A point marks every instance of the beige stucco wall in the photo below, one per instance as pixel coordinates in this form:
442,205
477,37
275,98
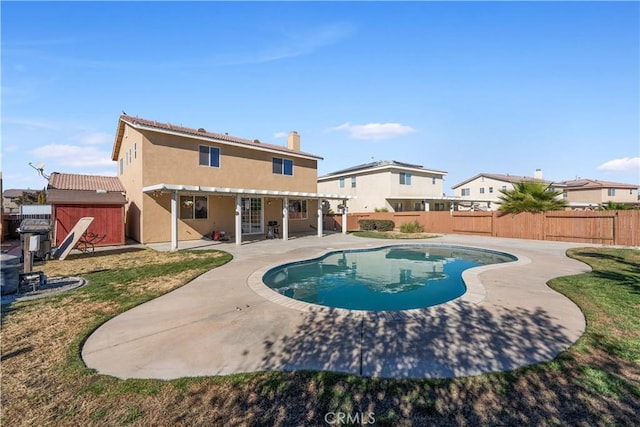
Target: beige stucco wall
491,188
221,217
131,179
600,195
174,160
374,188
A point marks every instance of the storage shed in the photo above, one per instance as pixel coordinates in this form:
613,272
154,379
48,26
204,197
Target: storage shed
74,196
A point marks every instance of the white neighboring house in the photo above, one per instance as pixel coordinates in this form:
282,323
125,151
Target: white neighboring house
482,192
389,185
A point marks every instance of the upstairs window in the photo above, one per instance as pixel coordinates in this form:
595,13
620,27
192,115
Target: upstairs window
466,191
282,166
342,182
611,192
121,166
209,156
405,178
353,182
481,190
490,189
433,179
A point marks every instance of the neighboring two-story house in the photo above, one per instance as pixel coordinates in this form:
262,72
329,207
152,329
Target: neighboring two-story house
590,193
183,183
389,185
482,191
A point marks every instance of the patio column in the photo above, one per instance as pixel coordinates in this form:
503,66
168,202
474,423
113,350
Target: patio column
174,221
344,217
238,224
426,205
285,219
320,218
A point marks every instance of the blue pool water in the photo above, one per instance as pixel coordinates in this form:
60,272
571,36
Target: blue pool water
386,279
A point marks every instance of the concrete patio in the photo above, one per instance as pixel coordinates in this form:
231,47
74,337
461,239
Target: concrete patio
226,321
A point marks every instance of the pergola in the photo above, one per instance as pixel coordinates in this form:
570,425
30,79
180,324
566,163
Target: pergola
176,189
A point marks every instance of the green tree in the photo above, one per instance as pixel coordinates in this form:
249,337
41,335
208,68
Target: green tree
530,196
42,197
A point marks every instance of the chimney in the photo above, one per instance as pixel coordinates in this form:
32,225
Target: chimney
293,141
538,174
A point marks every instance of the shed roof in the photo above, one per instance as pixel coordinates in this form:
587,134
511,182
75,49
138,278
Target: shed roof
68,181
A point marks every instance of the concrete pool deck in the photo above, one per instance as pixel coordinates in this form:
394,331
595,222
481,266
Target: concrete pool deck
226,321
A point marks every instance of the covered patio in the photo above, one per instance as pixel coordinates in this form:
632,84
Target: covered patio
176,190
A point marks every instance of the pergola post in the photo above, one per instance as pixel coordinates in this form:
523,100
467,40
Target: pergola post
174,220
238,223
344,216
320,222
285,218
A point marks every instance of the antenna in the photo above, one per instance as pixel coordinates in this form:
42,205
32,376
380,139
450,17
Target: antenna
40,168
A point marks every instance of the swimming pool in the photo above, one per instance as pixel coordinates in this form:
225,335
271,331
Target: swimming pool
389,278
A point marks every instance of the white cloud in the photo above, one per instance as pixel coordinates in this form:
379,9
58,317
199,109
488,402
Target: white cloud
375,130
279,134
292,44
624,164
73,155
33,123
95,138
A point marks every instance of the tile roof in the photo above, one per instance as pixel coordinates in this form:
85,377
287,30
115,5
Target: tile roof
586,184
137,122
12,193
380,164
68,181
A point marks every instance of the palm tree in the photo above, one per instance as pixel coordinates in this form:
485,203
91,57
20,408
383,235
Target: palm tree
530,196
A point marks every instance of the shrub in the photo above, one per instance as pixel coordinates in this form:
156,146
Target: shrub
412,227
381,210
376,224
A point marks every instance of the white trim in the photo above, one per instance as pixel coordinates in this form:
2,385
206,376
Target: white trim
242,191
219,141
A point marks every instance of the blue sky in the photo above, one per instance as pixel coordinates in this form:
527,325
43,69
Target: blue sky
505,87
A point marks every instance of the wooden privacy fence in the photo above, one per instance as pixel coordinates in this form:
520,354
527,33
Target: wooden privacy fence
602,227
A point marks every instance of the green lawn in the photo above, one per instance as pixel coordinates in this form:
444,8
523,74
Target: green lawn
44,382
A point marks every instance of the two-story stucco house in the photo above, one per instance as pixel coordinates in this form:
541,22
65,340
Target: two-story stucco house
590,193
389,185
183,183
482,191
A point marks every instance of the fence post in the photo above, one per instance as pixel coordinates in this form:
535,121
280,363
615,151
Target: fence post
494,232
614,224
